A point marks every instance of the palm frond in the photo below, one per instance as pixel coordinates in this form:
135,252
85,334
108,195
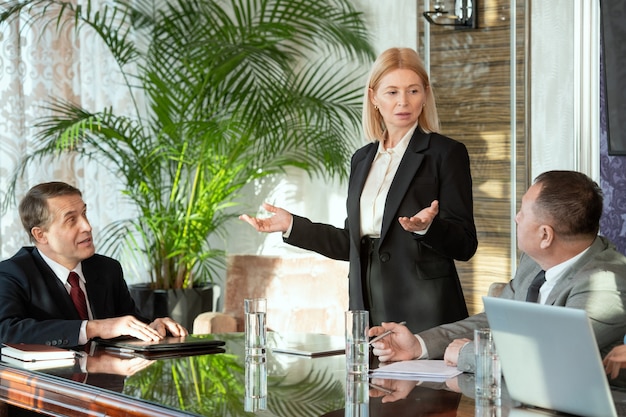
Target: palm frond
235,90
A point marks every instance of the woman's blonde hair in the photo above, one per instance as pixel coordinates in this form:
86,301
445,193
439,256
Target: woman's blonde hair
390,60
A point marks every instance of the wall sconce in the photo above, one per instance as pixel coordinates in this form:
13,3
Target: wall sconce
464,16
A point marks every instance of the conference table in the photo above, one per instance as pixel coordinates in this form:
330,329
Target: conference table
218,384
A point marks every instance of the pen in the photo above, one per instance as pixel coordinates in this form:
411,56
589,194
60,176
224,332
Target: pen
387,333
381,389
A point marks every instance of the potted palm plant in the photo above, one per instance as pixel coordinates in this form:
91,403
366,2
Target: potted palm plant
225,92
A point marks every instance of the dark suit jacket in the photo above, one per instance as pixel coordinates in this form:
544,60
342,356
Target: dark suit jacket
36,308
421,284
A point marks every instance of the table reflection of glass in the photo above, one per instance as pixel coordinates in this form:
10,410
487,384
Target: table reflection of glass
256,383
226,385
357,396
400,398
487,409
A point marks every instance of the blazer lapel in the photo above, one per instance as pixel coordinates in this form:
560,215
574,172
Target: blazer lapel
409,165
357,182
95,289
57,290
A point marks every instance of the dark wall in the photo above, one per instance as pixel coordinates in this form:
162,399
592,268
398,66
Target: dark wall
613,16
612,167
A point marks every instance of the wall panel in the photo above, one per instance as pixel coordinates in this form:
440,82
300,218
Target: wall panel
471,74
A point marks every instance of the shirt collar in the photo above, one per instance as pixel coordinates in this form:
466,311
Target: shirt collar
557,271
401,146
60,271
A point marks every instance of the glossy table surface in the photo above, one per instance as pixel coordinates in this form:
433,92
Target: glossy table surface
215,385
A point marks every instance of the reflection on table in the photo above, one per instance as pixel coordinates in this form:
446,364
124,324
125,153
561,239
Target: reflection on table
225,384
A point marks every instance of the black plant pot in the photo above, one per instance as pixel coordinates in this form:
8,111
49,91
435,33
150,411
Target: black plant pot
182,305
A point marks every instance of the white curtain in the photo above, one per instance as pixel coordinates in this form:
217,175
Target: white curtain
38,64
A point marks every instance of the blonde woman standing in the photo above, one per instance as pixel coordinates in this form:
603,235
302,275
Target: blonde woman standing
409,205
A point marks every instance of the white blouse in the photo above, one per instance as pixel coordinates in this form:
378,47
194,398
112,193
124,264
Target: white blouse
377,185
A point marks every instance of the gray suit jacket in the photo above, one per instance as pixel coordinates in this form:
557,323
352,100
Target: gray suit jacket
595,283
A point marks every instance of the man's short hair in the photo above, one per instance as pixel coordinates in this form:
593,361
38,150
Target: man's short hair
33,208
571,202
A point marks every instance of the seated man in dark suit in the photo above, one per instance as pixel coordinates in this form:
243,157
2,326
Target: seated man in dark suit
39,302
557,229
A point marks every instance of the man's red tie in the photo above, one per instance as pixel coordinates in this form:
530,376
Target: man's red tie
78,296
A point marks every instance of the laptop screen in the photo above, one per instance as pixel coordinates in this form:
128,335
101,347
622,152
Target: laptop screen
549,357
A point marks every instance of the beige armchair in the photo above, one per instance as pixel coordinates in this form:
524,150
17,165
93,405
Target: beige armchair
304,294
495,289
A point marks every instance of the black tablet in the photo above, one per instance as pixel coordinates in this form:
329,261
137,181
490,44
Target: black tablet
168,344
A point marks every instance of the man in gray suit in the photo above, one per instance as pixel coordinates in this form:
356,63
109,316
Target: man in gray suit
557,231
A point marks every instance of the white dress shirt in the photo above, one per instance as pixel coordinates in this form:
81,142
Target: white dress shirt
62,274
378,183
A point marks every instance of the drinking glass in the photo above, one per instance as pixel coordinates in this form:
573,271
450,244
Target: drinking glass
488,375
255,310
357,342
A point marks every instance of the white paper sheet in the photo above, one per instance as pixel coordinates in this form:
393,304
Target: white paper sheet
431,370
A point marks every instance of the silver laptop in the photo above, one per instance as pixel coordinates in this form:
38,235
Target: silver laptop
550,358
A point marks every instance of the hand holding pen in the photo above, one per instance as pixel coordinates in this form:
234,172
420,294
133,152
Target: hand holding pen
387,333
394,342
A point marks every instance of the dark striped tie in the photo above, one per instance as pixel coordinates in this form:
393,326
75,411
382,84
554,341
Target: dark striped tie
78,296
533,291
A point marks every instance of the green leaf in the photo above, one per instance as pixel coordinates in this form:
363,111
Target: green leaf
225,93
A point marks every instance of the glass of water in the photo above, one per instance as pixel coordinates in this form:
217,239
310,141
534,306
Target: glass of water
357,342
488,374
255,310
